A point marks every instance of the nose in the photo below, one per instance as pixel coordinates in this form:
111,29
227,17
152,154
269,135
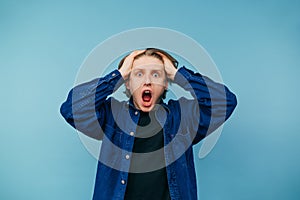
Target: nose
147,80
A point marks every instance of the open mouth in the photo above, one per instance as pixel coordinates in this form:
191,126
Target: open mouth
147,96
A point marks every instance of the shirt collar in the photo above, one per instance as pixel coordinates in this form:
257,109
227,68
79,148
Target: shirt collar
130,104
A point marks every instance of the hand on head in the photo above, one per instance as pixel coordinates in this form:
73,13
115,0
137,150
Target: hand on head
169,66
126,67
127,64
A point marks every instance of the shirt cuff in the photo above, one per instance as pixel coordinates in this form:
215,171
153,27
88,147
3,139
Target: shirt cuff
183,76
115,79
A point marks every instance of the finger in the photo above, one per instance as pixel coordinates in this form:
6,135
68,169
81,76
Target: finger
165,58
137,52
162,55
133,54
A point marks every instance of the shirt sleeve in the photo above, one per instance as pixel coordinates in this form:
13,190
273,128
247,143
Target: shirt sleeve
212,105
87,104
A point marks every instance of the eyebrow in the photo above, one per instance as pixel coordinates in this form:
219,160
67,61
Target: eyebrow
153,67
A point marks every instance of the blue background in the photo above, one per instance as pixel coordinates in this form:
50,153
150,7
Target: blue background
255,45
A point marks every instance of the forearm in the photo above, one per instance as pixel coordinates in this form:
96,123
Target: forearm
85,103
214,100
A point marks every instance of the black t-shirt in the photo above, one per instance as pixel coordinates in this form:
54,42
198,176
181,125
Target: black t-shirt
154,184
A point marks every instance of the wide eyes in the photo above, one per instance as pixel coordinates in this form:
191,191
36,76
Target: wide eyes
154,74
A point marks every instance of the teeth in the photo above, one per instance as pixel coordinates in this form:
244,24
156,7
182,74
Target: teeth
147,91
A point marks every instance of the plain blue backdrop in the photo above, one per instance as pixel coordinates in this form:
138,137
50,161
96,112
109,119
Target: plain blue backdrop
255,45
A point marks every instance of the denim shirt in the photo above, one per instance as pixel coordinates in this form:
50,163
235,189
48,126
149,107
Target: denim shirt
185,122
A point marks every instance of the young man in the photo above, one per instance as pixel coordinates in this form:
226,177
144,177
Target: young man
146,150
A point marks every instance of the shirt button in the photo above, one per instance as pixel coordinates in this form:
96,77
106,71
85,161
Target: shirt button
136,112
127,157
123,182
113,74
132,133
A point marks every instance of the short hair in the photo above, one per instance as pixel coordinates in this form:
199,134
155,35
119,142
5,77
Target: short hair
154,53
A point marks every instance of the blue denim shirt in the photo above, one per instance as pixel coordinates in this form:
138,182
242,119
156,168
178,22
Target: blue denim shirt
185,122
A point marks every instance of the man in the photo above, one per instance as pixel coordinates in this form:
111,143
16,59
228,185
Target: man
146,150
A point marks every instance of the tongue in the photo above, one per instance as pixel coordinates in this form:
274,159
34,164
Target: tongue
146,97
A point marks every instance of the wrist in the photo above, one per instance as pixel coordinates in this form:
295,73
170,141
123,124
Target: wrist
123,74
172,75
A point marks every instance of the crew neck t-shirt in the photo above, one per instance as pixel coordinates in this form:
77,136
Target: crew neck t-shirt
153,184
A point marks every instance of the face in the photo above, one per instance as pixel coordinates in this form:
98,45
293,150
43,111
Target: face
147,82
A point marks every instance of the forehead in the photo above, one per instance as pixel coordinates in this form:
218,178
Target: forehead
147,61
